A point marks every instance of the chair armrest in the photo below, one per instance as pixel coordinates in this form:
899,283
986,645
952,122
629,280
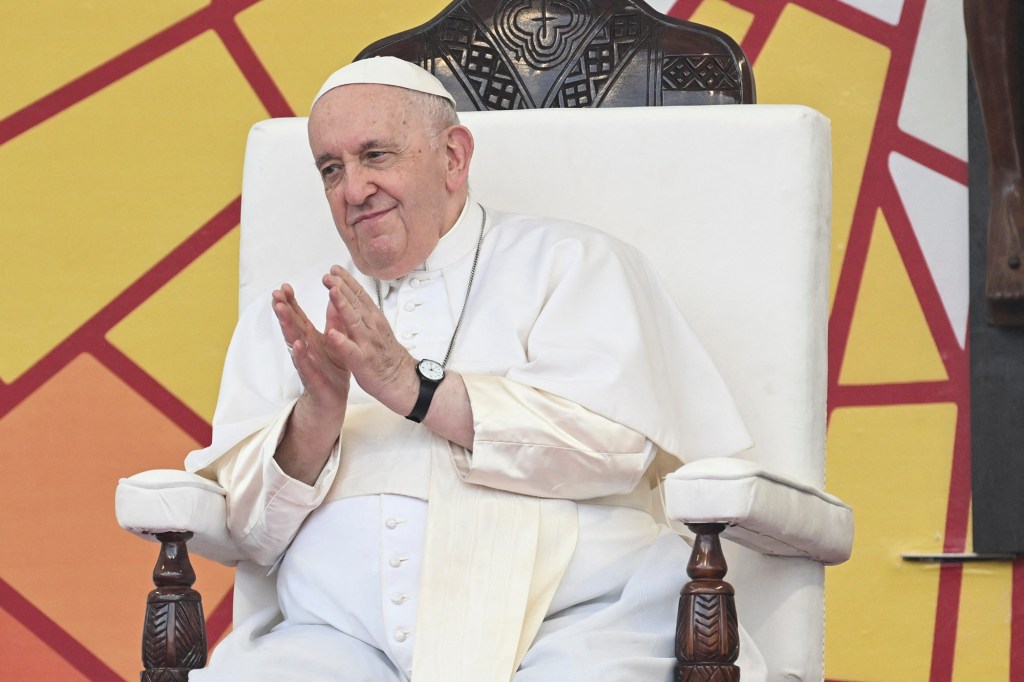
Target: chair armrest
764,511
164,500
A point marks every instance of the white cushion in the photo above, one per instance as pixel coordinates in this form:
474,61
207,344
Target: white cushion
765,511
164,500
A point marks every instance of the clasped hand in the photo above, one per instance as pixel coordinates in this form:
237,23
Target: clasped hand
357,342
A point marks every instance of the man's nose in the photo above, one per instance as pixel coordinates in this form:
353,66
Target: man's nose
358,187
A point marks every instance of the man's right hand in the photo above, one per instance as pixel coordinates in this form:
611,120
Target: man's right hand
316,420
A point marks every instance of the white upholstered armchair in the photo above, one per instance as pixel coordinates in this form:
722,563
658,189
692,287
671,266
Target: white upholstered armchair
732,204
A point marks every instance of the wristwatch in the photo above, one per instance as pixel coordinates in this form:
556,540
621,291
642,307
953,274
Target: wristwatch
431,374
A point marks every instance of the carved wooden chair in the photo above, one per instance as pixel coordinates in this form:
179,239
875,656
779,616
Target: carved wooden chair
501,55
732,205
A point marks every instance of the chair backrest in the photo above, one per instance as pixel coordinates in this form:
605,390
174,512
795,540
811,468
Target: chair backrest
730,203
531,54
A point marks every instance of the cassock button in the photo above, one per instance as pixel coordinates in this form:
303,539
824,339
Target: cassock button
391,524
414,283
408,335
401,635
395,562
410,306
398,598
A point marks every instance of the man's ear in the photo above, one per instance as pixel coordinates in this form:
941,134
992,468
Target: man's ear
459,152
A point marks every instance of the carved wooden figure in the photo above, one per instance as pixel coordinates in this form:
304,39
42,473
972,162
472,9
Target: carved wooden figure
992,38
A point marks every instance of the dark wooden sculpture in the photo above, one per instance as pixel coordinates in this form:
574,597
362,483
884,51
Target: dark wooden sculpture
174,639
527,54
537,54
995,59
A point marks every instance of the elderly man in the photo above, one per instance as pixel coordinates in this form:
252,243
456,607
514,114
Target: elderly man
453,464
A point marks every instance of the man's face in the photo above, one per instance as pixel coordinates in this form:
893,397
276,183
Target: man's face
385,175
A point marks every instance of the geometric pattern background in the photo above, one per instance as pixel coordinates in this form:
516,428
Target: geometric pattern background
122,126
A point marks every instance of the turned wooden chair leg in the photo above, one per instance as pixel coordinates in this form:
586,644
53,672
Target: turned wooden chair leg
174,639
707,632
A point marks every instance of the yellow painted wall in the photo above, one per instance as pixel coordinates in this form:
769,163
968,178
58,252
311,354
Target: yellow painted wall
122,127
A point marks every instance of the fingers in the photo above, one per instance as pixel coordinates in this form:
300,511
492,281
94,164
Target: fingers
352,317
359,335
294,323
352,311
324,379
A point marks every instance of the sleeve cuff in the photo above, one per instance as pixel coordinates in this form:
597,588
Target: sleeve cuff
283,489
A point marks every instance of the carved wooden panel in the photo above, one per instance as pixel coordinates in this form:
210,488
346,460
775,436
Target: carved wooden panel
529,54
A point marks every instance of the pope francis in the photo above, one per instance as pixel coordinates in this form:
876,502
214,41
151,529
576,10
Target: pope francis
447,441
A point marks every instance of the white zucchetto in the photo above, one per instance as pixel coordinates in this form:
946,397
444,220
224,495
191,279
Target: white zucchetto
385,71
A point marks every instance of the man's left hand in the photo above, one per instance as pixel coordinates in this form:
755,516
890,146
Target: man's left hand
359,337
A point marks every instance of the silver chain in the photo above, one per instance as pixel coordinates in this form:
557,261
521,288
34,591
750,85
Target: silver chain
469,287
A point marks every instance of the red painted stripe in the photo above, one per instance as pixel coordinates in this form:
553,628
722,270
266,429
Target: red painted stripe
766,16
116,68
252,68
851,272
684,9
90,335
958,507
54,636
922,279
855,19
874,183
878,192
153,391
947,610
219,620
1017,623
225,220
911,393
940,161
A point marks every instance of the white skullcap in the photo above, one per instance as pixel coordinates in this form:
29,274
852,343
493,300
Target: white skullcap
385,71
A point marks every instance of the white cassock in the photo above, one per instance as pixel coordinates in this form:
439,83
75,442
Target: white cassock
538,555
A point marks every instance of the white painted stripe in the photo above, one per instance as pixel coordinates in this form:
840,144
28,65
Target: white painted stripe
888,11
935,101
937,207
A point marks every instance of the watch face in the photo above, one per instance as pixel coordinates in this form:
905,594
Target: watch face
431,370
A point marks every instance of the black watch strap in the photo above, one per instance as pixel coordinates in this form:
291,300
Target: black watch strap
419,410
431,374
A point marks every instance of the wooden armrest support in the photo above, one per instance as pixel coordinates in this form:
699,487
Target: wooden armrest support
174,638
707,632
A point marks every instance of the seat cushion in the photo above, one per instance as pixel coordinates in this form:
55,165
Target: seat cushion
765,511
